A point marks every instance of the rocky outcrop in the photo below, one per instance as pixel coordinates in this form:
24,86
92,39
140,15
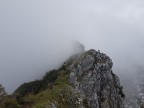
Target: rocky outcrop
92,77
85,80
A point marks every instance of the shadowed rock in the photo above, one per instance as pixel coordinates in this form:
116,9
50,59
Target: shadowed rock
91,75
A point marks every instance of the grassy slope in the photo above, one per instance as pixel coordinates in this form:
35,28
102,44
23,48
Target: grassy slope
53,89
61,94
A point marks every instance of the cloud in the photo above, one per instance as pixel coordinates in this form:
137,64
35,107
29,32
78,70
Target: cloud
36,36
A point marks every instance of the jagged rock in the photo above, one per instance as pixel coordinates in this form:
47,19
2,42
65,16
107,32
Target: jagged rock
91,75
85,80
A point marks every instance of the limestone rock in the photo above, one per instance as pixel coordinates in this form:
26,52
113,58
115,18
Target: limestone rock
92,77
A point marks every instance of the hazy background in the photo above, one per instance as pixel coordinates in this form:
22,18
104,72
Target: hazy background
36,35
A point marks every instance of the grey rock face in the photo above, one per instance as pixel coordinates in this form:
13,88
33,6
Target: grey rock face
91,75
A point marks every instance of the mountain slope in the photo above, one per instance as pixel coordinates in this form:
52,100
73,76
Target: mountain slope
85,80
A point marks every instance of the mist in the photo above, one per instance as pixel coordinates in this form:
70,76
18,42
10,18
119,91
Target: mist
37,36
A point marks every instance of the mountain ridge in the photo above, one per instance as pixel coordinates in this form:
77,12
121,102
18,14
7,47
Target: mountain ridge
85,80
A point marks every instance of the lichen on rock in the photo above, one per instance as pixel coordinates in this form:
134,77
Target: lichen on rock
85,80
91,75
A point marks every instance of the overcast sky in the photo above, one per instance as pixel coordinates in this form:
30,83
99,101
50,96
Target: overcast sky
36,35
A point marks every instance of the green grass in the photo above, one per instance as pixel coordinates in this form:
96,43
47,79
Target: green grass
61,94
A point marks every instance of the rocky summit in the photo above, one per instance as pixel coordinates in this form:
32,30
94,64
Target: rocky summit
85,80
92,77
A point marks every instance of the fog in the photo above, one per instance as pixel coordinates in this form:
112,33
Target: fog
37,35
